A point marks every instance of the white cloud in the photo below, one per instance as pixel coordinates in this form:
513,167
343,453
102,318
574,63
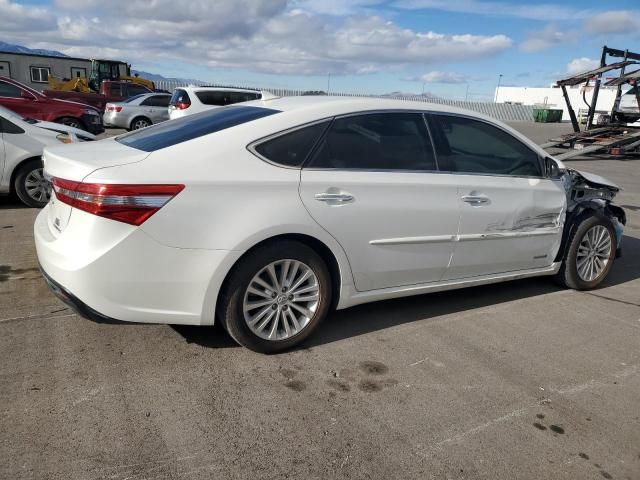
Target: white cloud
441,77
335,7
614,21
269,36
548,37
582,64
16,18
538,11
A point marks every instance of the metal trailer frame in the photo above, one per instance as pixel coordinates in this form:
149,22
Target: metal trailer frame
628,58
615,138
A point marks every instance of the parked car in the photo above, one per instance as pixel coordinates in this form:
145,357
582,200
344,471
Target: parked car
30,103
189,100
21,145
137,112
277,212
110,91
629,109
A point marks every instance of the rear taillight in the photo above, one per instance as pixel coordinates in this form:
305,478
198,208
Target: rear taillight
132,204
182,105
114,108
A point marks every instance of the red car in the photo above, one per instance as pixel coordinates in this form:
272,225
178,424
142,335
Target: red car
30,103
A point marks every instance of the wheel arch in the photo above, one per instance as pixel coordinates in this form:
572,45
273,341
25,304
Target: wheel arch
582,211
339,271
137,117
17,168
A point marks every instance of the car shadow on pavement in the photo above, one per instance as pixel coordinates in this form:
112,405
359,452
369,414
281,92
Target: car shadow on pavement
11,202
372,317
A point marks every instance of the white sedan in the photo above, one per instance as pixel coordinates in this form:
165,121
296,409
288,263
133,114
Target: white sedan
21,143
264,216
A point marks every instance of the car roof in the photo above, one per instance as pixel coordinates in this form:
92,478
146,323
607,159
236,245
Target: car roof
217,89
322,105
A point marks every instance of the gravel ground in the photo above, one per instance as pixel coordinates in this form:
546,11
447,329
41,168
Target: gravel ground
518,380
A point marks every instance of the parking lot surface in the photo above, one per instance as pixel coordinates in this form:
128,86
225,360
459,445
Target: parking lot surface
515,380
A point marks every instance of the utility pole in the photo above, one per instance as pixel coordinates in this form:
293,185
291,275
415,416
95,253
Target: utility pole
328,83
466,95
423,88
495,100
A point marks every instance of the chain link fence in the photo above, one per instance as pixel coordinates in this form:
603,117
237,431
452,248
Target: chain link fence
501,111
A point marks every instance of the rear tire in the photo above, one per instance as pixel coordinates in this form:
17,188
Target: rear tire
30,186
590,254
138,123
72,122
267,314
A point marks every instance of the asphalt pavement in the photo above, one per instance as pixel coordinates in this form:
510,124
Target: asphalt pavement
520,380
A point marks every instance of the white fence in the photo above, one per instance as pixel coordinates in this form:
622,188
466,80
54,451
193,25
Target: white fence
500,111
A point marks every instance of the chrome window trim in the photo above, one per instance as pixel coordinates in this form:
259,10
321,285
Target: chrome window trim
251,146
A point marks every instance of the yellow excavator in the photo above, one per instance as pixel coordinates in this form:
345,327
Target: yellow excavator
100,70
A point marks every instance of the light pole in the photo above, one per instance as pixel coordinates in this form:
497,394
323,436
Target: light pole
423,88
466,94
328,83
495,100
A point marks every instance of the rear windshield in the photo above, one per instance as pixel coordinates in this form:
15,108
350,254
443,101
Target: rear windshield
225,97
193,126
180,96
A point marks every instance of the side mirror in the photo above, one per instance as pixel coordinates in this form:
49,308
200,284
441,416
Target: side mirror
551,168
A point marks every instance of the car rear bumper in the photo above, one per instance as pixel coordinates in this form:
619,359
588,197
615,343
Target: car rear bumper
112,119
106,270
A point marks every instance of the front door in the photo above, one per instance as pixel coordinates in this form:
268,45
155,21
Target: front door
371,183
511,215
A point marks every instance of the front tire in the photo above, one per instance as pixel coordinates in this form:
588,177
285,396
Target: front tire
72,122
30,185
276,297
590,254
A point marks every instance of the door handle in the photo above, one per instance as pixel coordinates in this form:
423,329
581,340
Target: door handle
475,200
334,197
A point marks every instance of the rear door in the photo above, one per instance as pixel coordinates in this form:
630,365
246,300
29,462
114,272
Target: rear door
372,184
511,215
156,107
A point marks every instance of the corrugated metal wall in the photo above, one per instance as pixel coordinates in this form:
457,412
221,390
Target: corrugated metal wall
500,111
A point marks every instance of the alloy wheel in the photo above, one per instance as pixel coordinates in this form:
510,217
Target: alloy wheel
36,186
138,124
594,253
281,299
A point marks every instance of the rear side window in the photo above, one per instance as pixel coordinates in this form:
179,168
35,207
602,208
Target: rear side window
193,126
213,97
291,149
180,97
131,99
9,90
225,97
156,101
472,146
381,141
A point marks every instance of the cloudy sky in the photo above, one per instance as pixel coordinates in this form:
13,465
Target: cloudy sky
450,46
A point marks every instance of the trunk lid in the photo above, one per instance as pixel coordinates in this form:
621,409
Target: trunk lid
74,162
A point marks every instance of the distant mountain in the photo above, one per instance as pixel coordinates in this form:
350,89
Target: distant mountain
155,77
10,47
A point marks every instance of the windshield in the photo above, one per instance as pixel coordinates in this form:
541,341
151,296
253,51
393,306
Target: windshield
193,126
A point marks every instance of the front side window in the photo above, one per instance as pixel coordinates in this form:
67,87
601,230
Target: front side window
380,141
167,134
9,90
291,149
466,145
136,89
40,74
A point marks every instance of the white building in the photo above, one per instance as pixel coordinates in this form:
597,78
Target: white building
552,98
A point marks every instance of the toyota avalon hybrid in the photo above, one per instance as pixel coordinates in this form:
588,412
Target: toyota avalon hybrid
264,216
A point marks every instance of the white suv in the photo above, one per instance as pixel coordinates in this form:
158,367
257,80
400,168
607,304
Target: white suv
189,100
